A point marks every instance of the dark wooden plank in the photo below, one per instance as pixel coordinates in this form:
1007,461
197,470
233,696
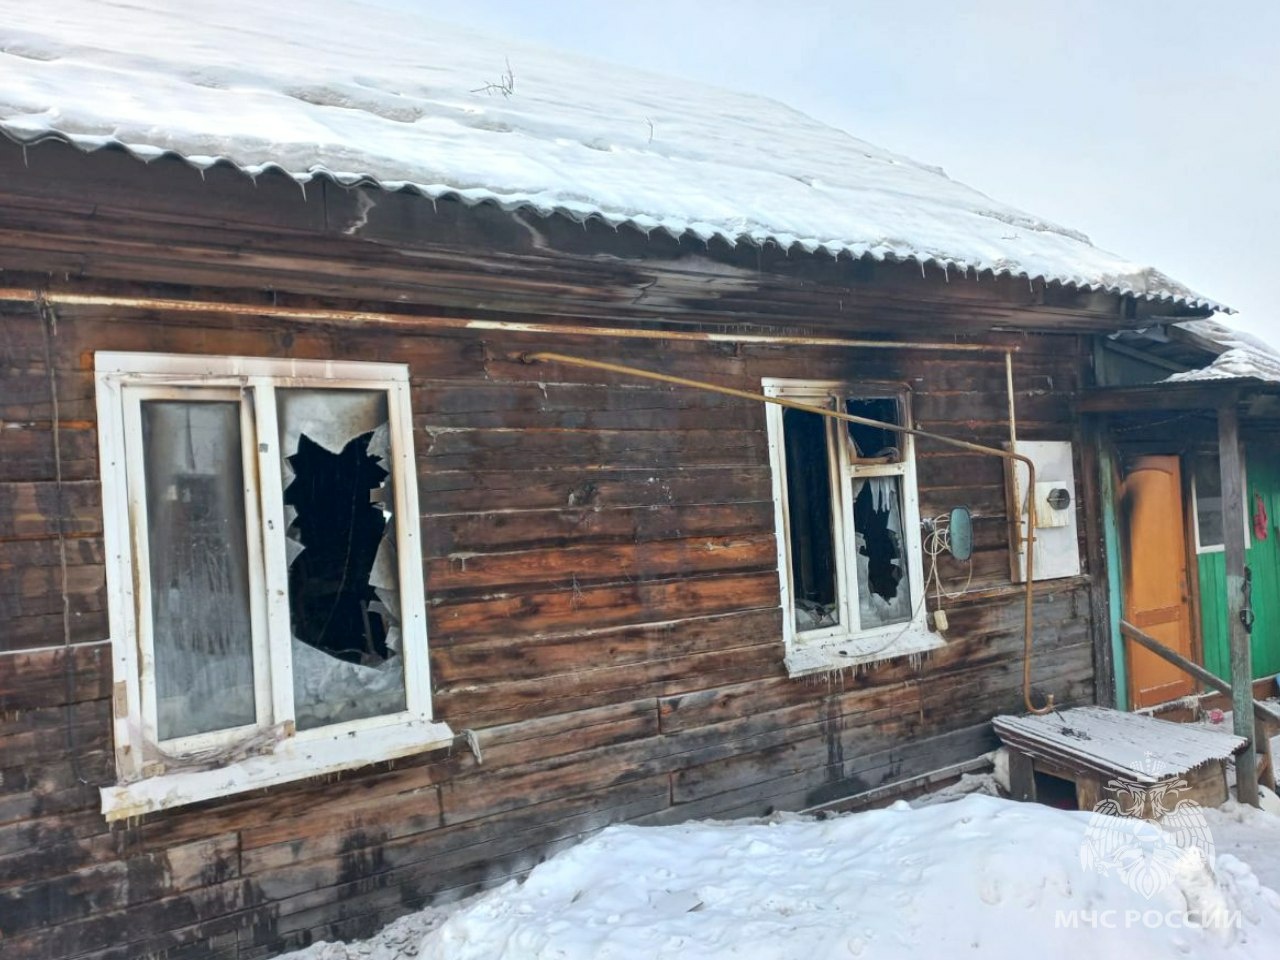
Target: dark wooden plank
523,529
212,904
838,781
542,657
564,611
26,452
52,677
53,900
41,509
558,449
499,701
1022,777
82,551
509,486
598,563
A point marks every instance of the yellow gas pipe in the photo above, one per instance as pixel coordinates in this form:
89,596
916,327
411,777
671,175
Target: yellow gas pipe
1028,540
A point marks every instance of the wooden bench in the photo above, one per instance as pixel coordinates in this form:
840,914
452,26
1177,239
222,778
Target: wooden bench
1108,754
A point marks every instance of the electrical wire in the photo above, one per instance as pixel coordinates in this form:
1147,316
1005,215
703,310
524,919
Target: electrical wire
937,542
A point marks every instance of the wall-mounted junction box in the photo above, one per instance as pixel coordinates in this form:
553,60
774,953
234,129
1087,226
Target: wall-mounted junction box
1057,551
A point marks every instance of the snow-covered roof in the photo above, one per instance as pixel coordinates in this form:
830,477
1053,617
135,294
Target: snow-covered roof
1242,356
362,94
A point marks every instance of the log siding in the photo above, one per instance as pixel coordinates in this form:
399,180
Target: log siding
599,553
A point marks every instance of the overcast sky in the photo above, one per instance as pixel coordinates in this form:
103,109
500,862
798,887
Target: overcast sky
1154,127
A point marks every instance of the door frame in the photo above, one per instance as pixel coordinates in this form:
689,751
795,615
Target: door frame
1185,464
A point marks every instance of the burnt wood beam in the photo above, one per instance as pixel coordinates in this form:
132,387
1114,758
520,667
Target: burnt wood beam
1158,397
1088,438
1144,357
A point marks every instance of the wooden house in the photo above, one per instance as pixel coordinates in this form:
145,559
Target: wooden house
324,599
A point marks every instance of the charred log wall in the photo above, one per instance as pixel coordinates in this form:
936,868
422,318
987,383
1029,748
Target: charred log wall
599,552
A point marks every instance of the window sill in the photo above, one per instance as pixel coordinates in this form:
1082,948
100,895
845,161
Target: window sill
296,758
825,656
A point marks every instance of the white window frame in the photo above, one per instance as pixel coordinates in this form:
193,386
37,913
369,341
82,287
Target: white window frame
846,644
281,753
1195,513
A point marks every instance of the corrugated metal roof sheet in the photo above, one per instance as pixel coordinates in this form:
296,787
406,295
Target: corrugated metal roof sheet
1242,356
366,97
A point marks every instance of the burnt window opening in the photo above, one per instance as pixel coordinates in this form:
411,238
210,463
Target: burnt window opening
809,516
874,442
880,544
333,604
884,595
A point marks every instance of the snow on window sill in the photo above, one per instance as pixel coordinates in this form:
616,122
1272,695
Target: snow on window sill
827,655
296,758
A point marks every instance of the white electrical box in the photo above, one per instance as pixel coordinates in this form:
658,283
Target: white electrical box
1057,550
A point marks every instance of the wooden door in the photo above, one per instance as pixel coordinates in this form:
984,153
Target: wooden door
1156,592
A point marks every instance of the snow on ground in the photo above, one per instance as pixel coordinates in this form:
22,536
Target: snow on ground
401,939
1250,835
963,873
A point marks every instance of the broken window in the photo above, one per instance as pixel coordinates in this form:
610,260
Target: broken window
343,597
884,591
873,443
811,532
255,508
847,514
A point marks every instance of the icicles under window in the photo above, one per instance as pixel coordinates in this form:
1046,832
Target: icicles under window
344,602
202,636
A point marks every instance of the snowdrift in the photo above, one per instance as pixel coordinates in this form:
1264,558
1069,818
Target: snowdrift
977,877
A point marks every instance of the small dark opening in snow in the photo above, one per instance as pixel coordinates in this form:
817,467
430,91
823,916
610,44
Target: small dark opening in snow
339,528
1055,791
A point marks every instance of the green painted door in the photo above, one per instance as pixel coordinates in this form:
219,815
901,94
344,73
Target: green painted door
1263,557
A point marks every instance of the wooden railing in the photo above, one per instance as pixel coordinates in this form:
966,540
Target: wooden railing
1268,719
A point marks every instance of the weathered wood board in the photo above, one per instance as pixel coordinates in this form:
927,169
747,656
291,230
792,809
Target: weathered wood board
600,566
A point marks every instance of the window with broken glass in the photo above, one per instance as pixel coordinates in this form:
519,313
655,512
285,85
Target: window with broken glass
266,590
847,516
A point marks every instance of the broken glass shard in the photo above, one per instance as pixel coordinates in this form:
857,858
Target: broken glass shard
343,584
884,594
